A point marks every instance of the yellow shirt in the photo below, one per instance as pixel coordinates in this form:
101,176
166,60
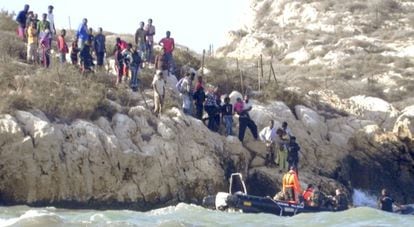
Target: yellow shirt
31,35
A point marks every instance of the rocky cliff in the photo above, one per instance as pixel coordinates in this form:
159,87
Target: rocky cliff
138,161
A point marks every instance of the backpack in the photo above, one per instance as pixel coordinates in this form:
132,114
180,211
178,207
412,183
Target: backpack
179,86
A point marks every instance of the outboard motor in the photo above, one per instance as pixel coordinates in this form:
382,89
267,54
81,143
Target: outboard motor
237,184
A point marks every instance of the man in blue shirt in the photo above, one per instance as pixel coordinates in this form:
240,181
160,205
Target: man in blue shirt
82,33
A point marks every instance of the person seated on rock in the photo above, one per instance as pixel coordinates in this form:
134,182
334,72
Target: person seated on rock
268,136
291,186
339,201
385,201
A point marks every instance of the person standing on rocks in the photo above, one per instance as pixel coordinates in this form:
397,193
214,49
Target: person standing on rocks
286,129
100,48
21,19
31,43
168,46
268,136
140,40
186,93
82,33
293,153
158,86
281,142
291,185
62,46
227,115
149,37
51,19
45,42
199,97
135,63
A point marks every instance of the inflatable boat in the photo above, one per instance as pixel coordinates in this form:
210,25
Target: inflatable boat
238,200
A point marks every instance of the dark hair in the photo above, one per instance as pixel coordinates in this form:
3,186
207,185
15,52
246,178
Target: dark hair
227,99
310,186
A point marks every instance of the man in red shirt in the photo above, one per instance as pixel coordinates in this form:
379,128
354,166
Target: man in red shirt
168,47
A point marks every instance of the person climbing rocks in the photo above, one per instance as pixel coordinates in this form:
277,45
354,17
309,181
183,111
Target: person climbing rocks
268,136
291,185
242,109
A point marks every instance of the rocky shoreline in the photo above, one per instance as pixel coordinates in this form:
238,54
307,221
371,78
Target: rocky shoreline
137,161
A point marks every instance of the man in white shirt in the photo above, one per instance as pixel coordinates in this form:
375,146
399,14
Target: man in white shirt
268,135
51,19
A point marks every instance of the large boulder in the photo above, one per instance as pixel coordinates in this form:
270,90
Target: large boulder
404,125
136,161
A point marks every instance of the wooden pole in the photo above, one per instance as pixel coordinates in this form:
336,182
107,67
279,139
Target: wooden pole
241,81
202,62
261,66
237,64
273,72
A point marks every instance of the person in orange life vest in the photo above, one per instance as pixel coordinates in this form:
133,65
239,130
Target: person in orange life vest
291,185
307,194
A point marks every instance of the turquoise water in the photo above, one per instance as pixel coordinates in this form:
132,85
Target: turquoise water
192,215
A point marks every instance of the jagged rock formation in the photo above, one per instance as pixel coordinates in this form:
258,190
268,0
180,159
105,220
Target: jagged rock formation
138,161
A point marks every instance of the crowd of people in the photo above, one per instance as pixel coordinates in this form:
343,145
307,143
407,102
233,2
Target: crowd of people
88,49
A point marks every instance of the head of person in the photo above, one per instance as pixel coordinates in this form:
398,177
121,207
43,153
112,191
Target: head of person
150,21
310,186
84,21
292,139
284,125
26,7
227,100
30,14
100,30
50,9
168,34
384,192
159,75
200,79
44,17
129,46
292,169
279,132
63,32
141,24
90,30
246,98
117,40
33,24
35,16
192,75
239,99
338,191
271,123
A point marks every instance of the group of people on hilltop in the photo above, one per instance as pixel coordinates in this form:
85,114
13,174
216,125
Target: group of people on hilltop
37,33
87,45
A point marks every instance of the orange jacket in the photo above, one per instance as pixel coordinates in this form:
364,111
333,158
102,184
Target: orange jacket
290,179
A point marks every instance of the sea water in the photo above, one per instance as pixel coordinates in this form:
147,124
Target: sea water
193,215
